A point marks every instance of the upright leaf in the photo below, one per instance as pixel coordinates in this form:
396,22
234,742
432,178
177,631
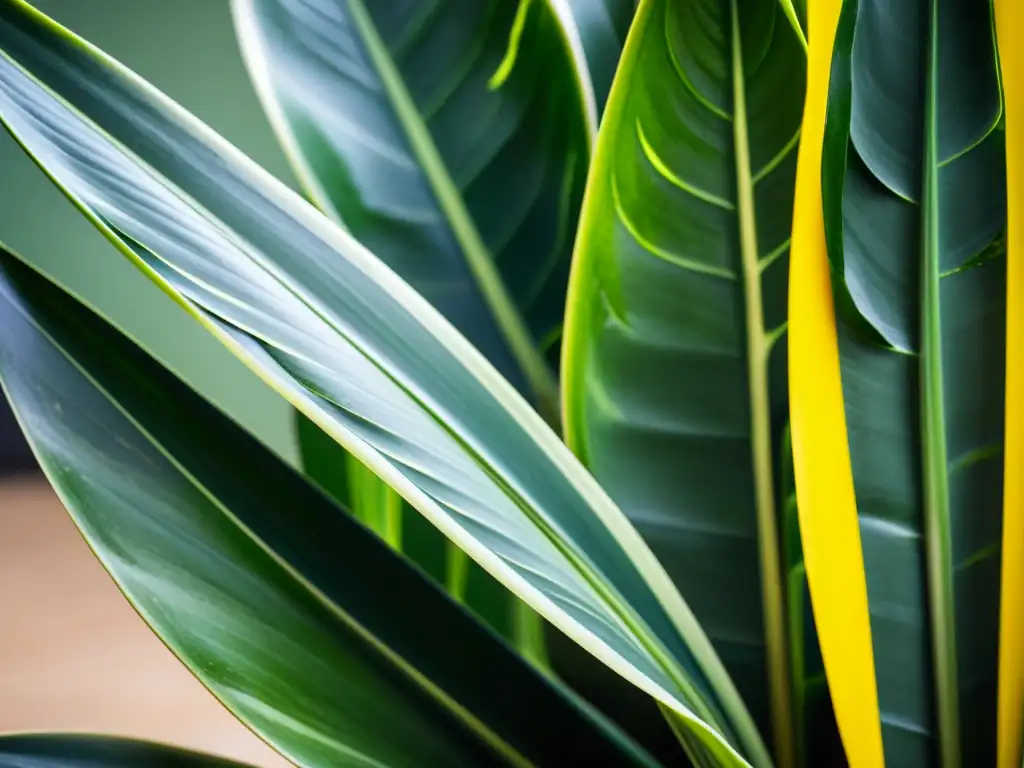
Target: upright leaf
71,750
603,26
301,622
814,727
674,366
915,215
1009,17
365,357
827,511
451,139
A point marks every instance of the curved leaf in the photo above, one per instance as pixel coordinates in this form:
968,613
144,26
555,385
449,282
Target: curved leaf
829,532
796,13
675,356
358,352
603,26
72,750
915,212
1009,17
468,188
450,138
298,619
816,740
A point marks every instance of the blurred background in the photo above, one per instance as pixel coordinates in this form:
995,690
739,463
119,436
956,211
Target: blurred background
73,654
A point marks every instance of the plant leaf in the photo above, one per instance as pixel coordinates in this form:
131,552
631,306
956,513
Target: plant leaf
817,740
1009,18
680,280
915,214
468,190
296,617
350,482
830,536
450,138
603,26
357,351
72,750
796,14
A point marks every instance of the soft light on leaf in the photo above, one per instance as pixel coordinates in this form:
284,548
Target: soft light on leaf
359,352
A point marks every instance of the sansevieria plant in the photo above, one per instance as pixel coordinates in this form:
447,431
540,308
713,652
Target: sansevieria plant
657,371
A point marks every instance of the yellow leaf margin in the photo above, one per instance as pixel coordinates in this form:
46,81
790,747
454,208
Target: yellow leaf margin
824,480
1009,25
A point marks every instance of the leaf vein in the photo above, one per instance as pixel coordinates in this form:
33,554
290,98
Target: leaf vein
683,262
669,175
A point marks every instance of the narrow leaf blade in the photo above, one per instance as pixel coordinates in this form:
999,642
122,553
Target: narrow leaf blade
72,750
304,624
467,187
1009,17
603,26
830,533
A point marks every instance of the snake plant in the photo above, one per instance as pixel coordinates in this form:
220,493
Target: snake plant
655,368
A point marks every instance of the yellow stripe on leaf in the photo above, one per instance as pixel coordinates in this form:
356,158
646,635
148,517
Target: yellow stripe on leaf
824,479
1010,720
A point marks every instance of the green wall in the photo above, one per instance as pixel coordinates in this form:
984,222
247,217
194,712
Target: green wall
187,49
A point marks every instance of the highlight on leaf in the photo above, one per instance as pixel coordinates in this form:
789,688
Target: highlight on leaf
654,369
353,347
680,278
915,214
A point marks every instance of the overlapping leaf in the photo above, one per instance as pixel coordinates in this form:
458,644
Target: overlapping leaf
675,347
361,354
1009,20
452,139
816,740
915,214
67,750
295,616
603,26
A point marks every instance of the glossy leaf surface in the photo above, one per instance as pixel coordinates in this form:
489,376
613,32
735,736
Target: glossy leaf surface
67,750
362,355
296,617
451,139
675,353
815,736
1009,18
603,26
467,186
915,218
827,510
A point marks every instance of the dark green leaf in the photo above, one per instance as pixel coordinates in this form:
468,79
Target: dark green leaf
914,195
295,616
468,188
451,139
69,750
816,734
603,26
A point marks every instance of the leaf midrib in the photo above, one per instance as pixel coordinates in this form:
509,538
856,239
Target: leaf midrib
938,541
758,351
479,259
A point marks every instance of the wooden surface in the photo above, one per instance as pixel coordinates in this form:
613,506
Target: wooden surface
75,656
